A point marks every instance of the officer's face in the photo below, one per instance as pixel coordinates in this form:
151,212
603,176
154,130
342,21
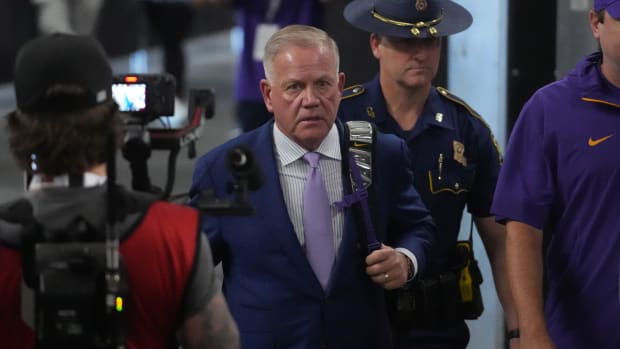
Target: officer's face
608,34
409,61
304,93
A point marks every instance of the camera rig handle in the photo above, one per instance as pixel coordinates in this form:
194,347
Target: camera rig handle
140,141
247,176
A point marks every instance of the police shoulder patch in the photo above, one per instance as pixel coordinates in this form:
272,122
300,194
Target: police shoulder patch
353,91
448,95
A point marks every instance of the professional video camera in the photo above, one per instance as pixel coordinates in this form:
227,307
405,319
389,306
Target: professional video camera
148,101
145,95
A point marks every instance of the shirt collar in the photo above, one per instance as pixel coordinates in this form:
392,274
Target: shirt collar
595,87
434,113
289,151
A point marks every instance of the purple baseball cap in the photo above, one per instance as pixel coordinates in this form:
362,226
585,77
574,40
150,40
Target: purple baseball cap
612,7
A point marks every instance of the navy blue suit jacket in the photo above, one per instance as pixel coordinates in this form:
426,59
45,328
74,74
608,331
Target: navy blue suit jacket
270,287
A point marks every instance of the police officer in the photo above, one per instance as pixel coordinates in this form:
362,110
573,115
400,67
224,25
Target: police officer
58,135
455,157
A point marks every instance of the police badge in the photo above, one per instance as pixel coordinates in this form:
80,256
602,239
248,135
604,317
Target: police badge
459,153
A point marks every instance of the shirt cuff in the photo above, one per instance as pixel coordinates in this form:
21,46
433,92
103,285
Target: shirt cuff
411,256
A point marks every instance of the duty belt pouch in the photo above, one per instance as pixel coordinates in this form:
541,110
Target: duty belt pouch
450,297
414,307
436,302
428,294
470,279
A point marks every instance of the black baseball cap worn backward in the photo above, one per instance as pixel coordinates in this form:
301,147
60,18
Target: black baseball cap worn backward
61,59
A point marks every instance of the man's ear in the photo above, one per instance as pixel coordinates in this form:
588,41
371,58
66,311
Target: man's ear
374,40
265,90
341,81
593,19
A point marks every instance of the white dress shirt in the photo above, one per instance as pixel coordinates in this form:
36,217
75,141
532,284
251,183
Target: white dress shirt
294,170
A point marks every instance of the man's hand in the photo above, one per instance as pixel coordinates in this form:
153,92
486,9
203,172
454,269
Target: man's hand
387,267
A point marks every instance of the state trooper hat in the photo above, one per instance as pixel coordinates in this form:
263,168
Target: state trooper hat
61,59
612,7
408,18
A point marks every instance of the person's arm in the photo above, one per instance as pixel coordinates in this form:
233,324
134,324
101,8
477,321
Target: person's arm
212,327
493,237
411,227
524,265
207,322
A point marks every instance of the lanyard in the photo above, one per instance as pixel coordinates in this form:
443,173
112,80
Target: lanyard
360,195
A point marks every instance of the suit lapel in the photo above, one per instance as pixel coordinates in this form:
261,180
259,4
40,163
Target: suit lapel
346,251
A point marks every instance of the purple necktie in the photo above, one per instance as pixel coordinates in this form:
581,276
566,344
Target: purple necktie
318,222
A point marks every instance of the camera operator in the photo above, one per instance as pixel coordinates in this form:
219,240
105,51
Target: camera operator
58,134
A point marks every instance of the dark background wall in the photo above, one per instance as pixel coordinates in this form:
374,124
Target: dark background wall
531,62
356,60
17,24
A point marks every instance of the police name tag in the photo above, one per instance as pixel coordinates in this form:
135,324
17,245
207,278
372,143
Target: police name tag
263,32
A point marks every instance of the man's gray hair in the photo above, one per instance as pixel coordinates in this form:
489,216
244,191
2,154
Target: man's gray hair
300,36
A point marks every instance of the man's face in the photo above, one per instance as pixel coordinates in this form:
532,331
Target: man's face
411,62
608,34
304,93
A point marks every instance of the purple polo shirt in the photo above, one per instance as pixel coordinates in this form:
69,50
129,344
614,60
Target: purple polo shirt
560,173
251,13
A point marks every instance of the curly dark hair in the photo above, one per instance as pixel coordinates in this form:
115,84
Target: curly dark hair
58,143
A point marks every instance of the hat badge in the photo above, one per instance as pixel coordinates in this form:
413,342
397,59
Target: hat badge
421,5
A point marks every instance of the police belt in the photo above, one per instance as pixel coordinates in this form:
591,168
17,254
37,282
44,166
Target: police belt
444,299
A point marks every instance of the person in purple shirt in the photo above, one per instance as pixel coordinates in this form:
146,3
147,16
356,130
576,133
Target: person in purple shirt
557,195
258,20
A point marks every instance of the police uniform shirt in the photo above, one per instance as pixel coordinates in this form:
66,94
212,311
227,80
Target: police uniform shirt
454,155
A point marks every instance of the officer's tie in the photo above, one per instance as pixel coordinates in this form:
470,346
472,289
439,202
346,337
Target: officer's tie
317,221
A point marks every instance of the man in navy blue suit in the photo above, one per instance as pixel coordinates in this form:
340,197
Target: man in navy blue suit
274,291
